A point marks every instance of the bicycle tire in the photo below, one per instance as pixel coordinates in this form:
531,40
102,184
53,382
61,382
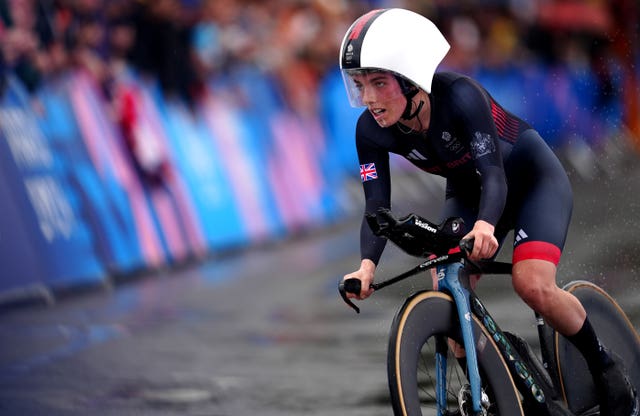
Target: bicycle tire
423,318
614,330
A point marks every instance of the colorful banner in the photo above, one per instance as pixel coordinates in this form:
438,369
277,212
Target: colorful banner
244,167
109,187
121,184
168,193
117,250
193,152
55,245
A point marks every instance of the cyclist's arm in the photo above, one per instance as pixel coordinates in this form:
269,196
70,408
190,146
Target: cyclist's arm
376,183
474,110
374,162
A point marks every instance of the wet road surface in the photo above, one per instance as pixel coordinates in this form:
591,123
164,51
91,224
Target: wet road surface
265,332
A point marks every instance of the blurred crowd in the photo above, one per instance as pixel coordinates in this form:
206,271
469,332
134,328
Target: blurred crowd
185,44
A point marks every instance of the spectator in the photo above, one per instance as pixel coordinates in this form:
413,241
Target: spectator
185,44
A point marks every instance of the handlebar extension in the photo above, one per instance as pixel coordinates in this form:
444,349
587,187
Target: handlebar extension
354,286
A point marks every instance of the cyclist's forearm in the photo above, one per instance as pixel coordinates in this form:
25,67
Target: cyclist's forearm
371,246
494,195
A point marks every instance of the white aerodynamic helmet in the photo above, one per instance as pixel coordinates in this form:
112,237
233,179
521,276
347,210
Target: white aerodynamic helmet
397,40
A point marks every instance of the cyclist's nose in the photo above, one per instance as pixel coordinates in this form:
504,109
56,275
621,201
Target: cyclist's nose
368,95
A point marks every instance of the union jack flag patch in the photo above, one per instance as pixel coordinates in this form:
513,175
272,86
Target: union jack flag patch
368,172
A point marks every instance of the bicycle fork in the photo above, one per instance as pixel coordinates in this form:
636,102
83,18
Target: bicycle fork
531,385
448,279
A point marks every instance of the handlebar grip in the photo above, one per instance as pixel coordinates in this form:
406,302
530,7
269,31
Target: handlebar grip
350,286
467,245
353,286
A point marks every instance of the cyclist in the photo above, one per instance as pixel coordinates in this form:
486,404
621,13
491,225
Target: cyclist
500,174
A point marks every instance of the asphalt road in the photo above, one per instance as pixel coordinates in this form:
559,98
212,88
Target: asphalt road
264,332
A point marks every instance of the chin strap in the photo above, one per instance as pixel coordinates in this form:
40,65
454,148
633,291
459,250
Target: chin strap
409,90
407,114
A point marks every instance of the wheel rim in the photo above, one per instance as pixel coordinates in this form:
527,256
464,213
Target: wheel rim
458,389
413,337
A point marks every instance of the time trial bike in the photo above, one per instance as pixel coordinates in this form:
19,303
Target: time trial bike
498,373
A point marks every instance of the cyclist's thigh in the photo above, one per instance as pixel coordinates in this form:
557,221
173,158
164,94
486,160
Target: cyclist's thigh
541,201
542,222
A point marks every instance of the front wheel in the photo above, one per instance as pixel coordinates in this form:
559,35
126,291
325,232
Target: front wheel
614,330
420,328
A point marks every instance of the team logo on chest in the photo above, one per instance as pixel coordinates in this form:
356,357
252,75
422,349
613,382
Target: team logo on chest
482,144
451,143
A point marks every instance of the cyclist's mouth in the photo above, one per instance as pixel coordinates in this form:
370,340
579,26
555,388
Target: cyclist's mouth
377,113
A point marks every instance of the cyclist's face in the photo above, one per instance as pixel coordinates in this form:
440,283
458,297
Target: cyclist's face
382,95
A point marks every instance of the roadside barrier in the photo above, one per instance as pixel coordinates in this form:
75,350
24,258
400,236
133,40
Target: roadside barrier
89,191
93,188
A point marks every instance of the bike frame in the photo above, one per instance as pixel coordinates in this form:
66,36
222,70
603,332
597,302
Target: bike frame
453,271
450,280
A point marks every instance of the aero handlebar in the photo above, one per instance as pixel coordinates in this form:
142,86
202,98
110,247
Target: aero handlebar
354,285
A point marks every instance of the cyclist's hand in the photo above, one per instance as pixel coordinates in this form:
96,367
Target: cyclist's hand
365,275
485,244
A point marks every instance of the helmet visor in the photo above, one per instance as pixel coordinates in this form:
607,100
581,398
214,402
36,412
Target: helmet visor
371,85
